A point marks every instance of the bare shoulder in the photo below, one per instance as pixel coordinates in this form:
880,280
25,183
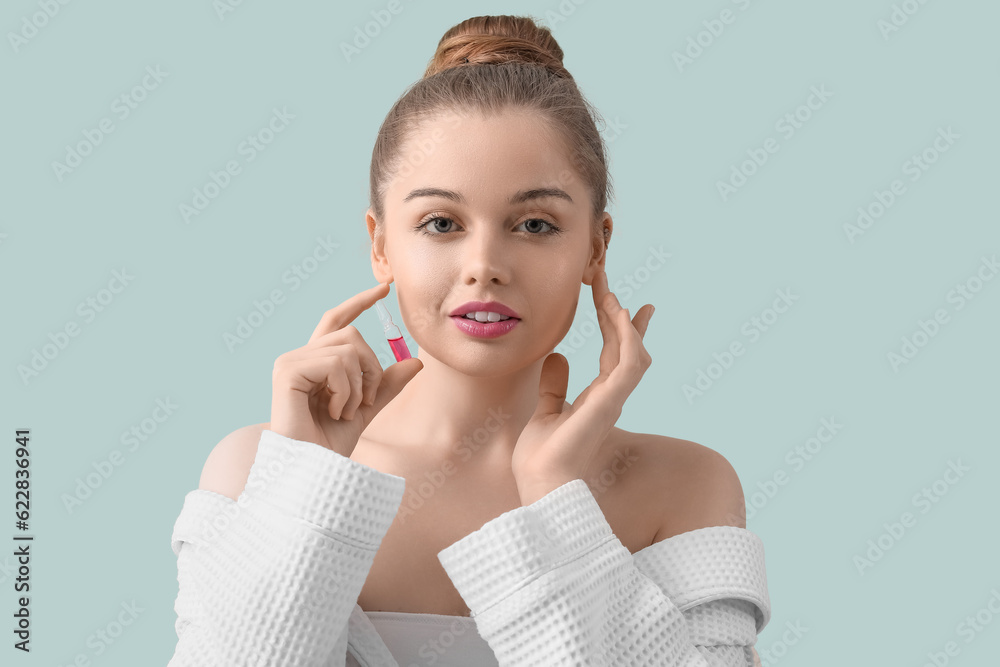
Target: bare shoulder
693,485
228,465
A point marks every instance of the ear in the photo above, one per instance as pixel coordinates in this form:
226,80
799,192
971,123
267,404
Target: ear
380,263
599,251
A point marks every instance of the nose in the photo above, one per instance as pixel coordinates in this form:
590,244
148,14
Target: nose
485,259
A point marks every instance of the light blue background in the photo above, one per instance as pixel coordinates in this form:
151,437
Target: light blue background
681,131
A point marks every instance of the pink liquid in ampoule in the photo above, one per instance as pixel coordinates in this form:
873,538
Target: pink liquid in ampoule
392,333
399,348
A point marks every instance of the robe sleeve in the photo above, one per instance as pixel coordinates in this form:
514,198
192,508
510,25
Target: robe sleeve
549,583
271,579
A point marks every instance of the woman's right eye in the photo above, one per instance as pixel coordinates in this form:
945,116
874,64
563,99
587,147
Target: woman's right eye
423,226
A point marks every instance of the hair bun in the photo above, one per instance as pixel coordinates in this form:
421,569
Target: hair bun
491,40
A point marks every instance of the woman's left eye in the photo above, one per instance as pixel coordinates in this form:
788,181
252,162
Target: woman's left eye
553,229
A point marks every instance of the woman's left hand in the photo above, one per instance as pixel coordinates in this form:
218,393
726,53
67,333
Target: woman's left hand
557,445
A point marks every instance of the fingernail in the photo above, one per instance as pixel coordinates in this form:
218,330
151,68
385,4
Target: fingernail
652,309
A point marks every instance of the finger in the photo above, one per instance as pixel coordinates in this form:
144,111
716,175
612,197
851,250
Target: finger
339,385
634,357
342,315
600,289
396,377
601,300
623,376
611,352
552,385
582,398
612,337
335,375
371,367
354,376
641,319
639,324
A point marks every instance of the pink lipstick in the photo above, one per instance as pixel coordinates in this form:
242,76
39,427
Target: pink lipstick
484,329
500,319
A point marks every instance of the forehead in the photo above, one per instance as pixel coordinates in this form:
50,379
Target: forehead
485,158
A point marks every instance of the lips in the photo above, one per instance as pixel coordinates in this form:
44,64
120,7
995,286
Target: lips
485,329
487,306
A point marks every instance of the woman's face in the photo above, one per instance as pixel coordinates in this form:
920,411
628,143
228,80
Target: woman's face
487,210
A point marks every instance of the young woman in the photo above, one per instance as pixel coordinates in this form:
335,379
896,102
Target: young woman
455,508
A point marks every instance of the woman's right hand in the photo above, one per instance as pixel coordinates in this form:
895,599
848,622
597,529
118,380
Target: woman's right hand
330,389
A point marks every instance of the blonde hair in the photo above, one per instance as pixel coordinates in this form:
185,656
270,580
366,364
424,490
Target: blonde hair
487,64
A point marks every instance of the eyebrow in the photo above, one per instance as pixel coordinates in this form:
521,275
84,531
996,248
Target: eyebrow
518,197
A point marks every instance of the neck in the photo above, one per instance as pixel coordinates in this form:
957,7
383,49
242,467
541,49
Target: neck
449,414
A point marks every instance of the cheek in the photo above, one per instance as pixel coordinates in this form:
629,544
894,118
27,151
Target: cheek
419,310
422,295
558,280
557,296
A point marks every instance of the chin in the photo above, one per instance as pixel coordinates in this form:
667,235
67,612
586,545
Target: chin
481,359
